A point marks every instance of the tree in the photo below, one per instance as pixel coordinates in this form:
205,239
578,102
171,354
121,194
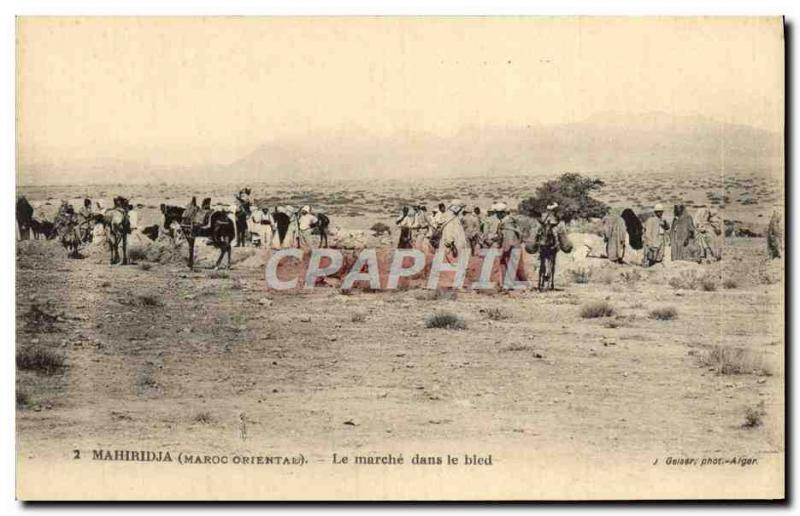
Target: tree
571,192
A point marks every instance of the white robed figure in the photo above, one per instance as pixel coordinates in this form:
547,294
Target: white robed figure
261,226
453,238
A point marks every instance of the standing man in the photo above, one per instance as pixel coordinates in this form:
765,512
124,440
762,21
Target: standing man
242,213
655,237
406,222
86,218
615,234
472,229
305,222
452,232
508,237
708,233
775,245
424,228
262,226
439,216
490,224
682,235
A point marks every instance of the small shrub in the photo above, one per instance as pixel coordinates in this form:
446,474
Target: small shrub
23,400
379,228
516,347
496,314
39,359
445,294
41,320
203,418
446,320
730,283
686,280
597,309
358,317
136,254
440,294
667,313
148,300
691,280
753,416
218,274
729,360
145,266
146,381
581,275
708,284
631,277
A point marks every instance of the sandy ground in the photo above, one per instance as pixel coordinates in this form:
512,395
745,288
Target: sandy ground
158,357
298,367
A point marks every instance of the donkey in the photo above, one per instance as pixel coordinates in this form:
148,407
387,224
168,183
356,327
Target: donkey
546,244
117,224
220,231
321,228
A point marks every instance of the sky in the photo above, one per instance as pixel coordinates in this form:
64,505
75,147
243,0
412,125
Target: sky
188,91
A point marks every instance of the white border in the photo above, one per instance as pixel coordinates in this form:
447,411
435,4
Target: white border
789,8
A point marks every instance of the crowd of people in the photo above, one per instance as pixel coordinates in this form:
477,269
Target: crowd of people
454,227
690,237
459,229
283,226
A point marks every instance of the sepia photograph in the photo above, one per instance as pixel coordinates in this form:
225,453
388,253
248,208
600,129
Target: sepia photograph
392,258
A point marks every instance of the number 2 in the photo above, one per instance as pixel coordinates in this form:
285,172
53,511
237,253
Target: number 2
77,454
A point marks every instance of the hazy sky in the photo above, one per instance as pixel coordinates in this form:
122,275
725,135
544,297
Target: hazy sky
193,90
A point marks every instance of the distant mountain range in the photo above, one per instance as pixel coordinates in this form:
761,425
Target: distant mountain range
657,142
604,143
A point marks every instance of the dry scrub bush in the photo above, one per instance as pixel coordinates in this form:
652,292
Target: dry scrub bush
136,254
147,300
39,359
440,294
753,416
23,400
686,280
692,280
666,313
730,283
582,275
605,276
631,277
203,418
495,314
708,284
446,320
729,360
597,309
